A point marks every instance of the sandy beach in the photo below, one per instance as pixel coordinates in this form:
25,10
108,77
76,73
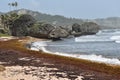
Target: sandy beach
22,64
26,67
30,68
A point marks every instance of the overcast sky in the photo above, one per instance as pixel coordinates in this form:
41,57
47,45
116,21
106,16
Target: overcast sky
87,9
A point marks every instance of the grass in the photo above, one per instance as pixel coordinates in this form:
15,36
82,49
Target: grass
64,62
3,35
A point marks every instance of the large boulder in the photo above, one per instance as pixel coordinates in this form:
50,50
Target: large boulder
85,28
76,28
21,25
41,30
44,30
58,33
90,27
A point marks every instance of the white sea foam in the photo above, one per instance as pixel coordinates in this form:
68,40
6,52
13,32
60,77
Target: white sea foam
92,38
101,36
117,41
111,36
37,46
40,43
92,57
100,58
115,38
34,48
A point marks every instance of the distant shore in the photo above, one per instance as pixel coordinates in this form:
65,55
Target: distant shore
14,54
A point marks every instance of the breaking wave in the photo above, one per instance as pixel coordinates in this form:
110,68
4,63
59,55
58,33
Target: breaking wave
40,45
101,36
96,58
92,38
116,39
108,37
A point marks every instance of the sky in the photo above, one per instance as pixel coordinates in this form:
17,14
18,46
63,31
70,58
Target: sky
85,9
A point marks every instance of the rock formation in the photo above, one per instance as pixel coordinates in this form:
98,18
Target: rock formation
85,28
22,25
41,30
58,33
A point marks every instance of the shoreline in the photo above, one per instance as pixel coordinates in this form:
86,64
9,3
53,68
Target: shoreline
98,71
91,57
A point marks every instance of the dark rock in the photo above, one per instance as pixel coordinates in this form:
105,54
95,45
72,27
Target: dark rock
56,39
76,28
90,27
21,25
86,28
58,33
44,30
41,30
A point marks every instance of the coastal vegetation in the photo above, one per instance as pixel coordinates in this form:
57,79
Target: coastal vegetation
3,35
24,24
104,23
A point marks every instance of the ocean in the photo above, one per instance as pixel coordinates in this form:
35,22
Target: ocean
103,47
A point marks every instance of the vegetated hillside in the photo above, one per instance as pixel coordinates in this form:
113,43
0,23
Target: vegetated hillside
105,23
26,25
108,23
52,19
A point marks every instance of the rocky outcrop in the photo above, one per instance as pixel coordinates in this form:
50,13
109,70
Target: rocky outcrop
17,25
90,27
41,30
76,28
85,28
26,25
22,25
44,30
58,33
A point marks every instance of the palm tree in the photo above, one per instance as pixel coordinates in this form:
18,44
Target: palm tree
9,4
13,4
16,4
4,21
